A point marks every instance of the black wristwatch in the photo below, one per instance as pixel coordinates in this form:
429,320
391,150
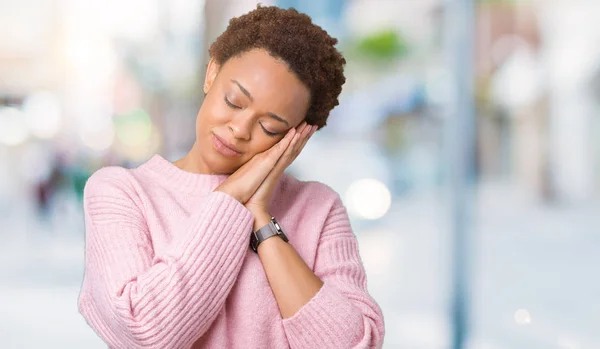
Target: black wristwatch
271,229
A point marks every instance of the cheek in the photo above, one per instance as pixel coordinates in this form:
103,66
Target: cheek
214,112
257,146
263,143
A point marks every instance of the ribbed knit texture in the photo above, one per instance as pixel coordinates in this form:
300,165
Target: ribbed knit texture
168,265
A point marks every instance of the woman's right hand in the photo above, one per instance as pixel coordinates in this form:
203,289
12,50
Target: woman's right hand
244,182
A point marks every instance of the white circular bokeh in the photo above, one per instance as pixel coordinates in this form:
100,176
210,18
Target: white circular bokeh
368,198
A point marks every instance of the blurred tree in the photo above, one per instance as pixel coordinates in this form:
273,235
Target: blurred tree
383,45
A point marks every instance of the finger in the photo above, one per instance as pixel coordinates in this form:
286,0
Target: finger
303,134
293,143
300,131
282,162
302,125
305,137
294,148
290,154
303,130
278,149
286,158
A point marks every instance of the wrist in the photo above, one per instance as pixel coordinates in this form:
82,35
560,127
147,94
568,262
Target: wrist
241,201
261,218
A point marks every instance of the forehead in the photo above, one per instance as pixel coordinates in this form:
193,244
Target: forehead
272,85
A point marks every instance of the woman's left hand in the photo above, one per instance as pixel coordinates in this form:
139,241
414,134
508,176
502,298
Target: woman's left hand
258,203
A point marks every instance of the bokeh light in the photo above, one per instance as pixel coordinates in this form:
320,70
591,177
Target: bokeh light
522,317
97,132
368,198
43,114
13,129
141,151
133,129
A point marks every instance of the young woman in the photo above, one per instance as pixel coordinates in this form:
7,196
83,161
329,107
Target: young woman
221,249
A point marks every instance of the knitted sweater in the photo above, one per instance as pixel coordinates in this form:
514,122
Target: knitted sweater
168,265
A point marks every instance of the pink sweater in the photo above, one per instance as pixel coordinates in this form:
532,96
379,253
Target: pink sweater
168,265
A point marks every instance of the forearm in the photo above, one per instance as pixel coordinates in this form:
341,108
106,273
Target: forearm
134,298
293,283
328,308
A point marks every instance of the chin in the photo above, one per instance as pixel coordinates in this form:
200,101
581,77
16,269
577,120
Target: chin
219,165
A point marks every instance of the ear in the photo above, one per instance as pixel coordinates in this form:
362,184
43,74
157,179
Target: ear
211,73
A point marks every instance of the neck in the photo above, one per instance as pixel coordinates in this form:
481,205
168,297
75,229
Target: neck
182,179
192,162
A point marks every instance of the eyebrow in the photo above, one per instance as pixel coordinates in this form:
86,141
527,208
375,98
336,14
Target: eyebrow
244,91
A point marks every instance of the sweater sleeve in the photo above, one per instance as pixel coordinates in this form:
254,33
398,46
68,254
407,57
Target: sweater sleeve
134,298
342,314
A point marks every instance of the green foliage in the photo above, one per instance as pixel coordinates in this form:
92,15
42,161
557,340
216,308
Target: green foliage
382,45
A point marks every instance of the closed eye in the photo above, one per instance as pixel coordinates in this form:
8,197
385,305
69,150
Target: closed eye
269,133
231,105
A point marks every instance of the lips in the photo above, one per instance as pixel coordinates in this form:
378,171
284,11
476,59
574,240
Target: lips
225,148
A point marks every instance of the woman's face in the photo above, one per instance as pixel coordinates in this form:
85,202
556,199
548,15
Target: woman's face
251,102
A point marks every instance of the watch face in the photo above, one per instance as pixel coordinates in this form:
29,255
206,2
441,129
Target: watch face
279,230
272,229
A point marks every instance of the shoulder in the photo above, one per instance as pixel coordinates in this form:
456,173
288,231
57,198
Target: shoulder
314,188
111,195
315,193
113,185
111,179
317,203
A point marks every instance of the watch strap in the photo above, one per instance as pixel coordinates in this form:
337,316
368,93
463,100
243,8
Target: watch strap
269,230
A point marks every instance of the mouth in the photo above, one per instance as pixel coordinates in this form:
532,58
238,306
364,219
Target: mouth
224,148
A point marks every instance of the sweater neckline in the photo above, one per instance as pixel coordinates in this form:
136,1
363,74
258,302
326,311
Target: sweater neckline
168,173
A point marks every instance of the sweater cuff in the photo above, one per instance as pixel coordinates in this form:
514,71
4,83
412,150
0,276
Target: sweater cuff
328,320
221,220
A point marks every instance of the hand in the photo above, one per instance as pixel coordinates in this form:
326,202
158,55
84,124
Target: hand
258,203
246,180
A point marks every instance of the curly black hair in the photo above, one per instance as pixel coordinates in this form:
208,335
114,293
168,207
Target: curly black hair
291,36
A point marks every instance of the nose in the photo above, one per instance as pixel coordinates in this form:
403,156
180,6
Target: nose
241,125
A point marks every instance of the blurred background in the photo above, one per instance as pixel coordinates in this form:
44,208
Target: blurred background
468,158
